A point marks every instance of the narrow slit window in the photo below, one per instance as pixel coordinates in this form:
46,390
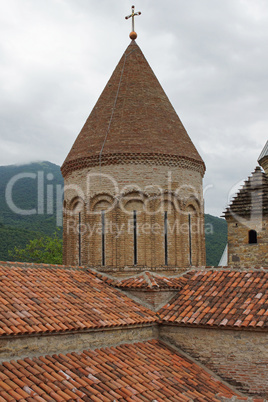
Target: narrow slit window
252,237
190,238
103,237
79,239
135,237
166,237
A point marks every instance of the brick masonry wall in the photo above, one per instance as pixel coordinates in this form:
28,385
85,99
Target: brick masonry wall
240,252
115,189
20,347
239,357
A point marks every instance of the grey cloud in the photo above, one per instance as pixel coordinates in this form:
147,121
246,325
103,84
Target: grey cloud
210,56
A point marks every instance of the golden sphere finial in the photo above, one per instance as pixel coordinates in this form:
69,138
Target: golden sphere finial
133,35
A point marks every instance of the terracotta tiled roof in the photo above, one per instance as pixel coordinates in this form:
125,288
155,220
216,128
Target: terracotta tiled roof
138,372
148,280
252,198
37,299
132,117
224,298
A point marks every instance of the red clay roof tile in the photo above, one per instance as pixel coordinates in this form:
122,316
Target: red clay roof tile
72,299
220,298
154,371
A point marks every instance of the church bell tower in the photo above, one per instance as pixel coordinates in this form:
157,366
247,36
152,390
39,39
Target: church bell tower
133,196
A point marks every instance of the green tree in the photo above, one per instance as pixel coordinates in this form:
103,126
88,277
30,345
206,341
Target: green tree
45,249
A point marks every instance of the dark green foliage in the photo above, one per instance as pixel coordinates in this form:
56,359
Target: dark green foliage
216,238
45,249
18,230
11,237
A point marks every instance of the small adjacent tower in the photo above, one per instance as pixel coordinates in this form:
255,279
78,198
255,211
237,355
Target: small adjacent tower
247,218
133,180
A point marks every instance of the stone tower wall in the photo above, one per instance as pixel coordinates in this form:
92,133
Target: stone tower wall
150,190
240,252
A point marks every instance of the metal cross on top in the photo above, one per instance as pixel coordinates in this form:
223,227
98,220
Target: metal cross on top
133,34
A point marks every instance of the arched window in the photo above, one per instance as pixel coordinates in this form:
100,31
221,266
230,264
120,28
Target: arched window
194,249
252,237
165,218
132,213
100,243
76,211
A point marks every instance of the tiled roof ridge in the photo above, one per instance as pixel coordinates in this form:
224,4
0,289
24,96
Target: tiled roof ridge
19,264
155,280
240,397
226,268
39,265
110,279
152,279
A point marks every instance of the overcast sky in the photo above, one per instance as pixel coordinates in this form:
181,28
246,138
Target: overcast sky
210,56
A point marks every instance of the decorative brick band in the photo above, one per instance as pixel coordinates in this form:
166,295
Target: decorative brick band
122,159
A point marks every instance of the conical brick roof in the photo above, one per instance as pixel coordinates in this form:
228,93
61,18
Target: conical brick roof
132,121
